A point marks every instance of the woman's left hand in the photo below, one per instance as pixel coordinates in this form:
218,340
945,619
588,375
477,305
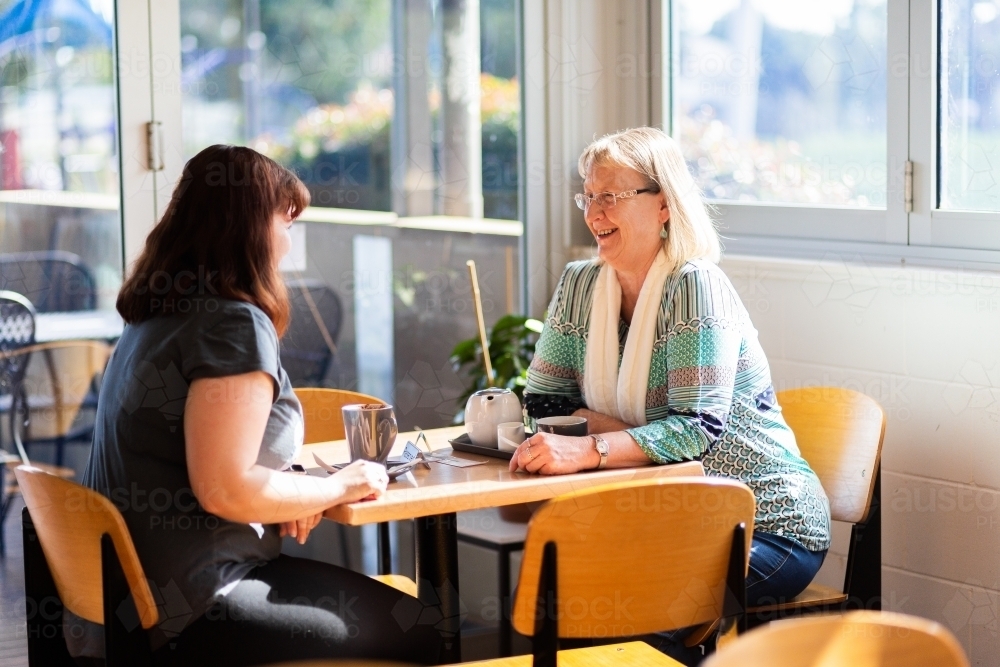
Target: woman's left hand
300,529
550,454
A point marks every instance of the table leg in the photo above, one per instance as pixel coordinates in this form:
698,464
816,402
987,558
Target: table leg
384,549
437,577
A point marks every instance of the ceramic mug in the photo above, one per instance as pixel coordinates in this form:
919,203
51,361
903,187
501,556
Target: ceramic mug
576,426
510,435
371,431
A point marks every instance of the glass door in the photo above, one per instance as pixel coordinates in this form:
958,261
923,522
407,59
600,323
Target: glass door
401,117
60,230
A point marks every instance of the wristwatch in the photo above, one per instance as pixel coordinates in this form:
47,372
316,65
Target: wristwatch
603,449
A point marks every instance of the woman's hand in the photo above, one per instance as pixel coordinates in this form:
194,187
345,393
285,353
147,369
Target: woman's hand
362,480
299,530
550,454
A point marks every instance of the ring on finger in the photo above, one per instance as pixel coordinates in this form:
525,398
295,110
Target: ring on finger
530,455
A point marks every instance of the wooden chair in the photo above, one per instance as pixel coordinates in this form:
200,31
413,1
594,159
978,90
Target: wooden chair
631,559
840,433
321,407
60,380
324,421
17,343
857,638
78,553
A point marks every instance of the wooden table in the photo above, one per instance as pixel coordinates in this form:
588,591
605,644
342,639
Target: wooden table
432,498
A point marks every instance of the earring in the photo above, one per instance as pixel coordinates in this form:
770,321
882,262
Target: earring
663,232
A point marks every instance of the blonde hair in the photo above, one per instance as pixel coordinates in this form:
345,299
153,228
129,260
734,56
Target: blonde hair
691,234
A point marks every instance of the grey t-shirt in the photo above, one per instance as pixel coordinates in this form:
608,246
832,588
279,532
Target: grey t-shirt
138,457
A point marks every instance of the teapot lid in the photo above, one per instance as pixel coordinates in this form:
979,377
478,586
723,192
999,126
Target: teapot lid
493,391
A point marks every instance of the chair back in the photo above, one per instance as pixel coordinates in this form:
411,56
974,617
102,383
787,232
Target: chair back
70,520
321,407
59,378
857,638
54,280
839,433
636,557
309,345
17,331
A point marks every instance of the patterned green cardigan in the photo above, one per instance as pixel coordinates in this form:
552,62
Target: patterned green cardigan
710,395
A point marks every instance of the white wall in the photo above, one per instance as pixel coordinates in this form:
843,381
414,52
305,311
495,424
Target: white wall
925,343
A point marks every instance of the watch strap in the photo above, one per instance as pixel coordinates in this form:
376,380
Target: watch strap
603,451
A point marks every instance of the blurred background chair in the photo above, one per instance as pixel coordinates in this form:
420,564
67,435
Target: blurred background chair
857,638
61,378
309,347
17,332
53,280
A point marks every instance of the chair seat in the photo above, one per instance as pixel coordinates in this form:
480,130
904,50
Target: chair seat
814,595
632,654
400,582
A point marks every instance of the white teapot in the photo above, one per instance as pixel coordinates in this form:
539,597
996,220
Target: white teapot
488,408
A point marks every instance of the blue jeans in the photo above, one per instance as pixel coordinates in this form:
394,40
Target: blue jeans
780,569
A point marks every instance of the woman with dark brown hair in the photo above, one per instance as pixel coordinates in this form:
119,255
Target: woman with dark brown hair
197,425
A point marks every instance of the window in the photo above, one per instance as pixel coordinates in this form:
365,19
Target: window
402,119
870,123
60,231
785,102
969,154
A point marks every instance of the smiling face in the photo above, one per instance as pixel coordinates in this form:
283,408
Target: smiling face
628,234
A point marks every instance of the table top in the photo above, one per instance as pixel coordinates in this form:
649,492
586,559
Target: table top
443,489
79,325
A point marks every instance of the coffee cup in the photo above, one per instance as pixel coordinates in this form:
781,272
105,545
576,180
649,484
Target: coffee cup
510,435
370,430
575,426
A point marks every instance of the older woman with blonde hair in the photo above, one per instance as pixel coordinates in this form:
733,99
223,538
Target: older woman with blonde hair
651,344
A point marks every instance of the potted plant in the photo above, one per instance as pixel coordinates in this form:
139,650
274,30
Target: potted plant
512,345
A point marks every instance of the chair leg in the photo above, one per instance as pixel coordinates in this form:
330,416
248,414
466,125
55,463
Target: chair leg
545,642
503,585
43,608
5,499
60,447
863,581
345,548
125,642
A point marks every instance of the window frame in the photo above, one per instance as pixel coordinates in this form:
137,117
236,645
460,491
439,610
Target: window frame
925,234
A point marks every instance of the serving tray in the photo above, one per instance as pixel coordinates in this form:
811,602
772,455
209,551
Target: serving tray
464,444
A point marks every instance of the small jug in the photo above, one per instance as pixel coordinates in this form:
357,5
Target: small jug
487,409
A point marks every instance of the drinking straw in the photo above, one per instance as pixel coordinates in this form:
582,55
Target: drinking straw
478,305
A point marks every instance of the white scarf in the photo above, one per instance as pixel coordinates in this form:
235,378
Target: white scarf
621,393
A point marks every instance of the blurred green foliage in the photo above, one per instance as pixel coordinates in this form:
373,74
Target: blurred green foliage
512,346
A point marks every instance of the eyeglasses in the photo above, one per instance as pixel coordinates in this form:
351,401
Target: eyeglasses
607,200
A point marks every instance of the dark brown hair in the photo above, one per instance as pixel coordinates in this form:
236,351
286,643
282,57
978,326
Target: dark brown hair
215,238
